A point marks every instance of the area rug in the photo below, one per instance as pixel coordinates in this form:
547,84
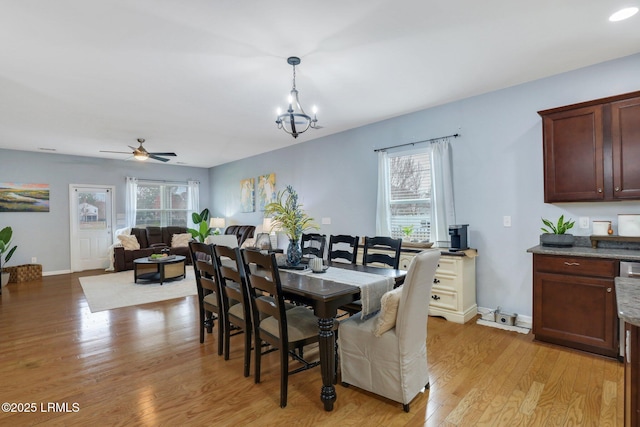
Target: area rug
116,290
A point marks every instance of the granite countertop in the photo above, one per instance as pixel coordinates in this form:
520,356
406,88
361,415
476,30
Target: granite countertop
582,247
628,298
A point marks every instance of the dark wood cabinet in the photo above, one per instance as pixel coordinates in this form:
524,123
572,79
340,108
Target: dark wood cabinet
574,302
632,376
592,150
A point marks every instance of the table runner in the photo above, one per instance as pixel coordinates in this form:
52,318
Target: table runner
372,286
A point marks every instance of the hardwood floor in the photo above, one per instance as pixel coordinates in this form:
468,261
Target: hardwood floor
144,365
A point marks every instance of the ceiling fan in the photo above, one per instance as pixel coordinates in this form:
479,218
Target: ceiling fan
140,153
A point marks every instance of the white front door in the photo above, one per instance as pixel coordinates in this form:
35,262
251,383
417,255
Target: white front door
91,216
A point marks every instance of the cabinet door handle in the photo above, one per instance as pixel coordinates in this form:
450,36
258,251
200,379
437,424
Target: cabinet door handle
436,280
617,188
435,297
571,263
609,290
599,190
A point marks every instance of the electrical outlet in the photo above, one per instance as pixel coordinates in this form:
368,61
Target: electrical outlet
583,222
326,221
34,260
506,221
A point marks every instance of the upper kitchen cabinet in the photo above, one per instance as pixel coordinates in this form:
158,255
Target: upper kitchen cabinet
592,150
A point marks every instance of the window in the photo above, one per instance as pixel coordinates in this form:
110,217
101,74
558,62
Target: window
162,204
410,194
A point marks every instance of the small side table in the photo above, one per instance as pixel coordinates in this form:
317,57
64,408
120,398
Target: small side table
159,269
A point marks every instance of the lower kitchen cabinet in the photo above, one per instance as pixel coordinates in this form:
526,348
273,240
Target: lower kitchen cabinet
632,376
574,302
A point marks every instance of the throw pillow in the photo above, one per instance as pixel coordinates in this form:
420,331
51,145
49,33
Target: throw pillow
388,311
180,240
130,242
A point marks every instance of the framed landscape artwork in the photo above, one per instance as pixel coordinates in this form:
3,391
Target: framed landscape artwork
266,189
247,195
18,197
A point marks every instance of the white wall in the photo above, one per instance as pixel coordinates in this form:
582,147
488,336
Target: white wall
497,172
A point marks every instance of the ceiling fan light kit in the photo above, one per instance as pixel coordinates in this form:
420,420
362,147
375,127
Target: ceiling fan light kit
295,121
141,154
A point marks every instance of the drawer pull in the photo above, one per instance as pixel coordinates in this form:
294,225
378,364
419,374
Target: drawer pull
436,280
571,263
435,297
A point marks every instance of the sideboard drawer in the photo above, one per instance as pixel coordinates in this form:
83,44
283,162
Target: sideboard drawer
444,299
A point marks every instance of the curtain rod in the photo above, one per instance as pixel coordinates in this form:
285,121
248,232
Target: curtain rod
455,135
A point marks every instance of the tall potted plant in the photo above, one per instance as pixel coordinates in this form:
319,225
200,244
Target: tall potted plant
555,235
287,215
5,247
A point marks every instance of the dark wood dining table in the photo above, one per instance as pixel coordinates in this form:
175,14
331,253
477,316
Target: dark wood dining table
325,297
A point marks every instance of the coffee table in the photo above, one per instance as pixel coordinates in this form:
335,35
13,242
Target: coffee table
160,269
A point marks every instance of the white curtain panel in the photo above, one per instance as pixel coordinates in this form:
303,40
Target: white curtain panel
383,211
131,201
193,200
442,205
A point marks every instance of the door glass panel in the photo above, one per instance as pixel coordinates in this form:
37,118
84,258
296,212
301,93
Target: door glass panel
92,211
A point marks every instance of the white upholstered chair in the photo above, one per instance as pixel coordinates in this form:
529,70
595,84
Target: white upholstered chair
392,363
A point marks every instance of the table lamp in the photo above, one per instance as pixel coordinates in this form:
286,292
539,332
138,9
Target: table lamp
267,227
217,223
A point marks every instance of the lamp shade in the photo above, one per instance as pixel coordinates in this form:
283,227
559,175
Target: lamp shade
216,223
267,223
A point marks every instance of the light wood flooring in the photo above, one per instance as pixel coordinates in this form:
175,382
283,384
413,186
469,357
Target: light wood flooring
145,366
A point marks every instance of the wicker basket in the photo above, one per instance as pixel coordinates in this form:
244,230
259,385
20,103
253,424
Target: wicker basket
23,273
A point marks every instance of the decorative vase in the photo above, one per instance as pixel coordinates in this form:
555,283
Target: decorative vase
294,253
556,240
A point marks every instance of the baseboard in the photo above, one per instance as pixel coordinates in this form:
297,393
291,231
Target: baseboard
521,321
55,273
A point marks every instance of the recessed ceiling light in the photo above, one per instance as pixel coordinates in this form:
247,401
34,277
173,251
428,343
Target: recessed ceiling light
623,14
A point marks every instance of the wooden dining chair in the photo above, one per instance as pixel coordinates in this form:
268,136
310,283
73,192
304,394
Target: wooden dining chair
209,302
313,245
387,353
286,330
234,299
391,247
343,247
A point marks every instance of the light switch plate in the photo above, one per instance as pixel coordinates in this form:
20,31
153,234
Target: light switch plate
506,221
583,222
326,221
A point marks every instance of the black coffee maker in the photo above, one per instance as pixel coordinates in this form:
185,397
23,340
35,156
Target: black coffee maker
458,234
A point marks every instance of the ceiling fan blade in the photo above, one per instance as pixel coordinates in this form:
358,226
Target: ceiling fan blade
118,152
162,159
133,148
164,154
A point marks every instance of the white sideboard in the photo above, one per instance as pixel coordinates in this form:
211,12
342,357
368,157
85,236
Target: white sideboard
453,295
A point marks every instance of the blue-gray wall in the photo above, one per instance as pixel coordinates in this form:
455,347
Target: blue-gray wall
497,172
46,235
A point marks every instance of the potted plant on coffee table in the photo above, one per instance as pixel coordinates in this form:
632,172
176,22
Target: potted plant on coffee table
287,215
5,247
555,235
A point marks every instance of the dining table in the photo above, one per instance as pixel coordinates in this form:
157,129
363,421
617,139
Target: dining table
325,297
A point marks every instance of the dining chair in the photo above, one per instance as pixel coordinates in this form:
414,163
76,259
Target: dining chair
209,302
313,244
234,289
387,353
285,330
343,247
387,244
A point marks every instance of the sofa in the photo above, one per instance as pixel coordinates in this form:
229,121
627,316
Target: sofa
153,240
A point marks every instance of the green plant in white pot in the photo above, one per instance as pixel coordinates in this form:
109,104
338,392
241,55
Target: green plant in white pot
200,220
5,247
555,234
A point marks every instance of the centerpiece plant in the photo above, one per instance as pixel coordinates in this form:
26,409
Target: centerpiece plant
201,220
287,215
555,234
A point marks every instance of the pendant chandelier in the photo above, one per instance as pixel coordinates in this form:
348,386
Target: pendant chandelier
295,121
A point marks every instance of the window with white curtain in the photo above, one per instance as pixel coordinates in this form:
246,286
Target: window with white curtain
410,194
162,204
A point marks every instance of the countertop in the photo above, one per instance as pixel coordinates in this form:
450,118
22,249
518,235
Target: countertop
628,298
587,251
